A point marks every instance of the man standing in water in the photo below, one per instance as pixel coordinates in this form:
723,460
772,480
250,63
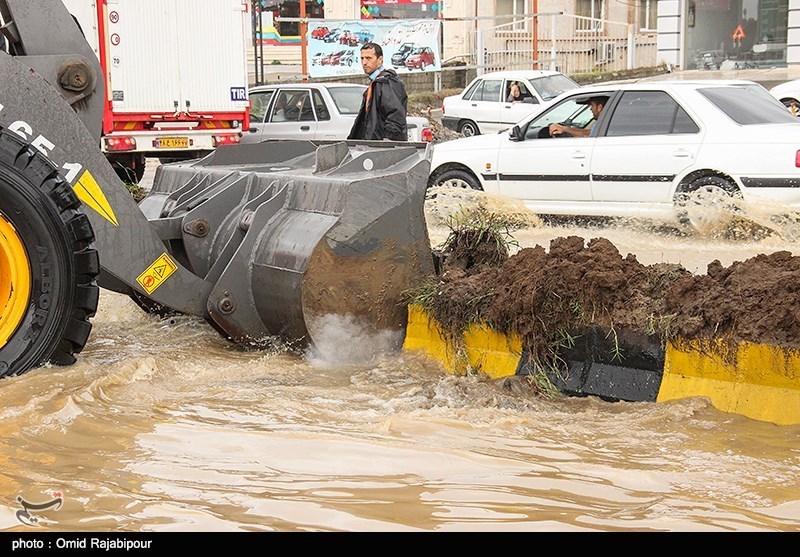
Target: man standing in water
383,109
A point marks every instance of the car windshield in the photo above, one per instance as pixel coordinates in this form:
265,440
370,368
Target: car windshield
745,106
347,99
418,51
551,86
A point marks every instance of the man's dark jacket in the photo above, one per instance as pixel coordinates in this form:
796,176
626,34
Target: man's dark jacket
386,117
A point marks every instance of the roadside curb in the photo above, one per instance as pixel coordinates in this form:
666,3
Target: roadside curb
759,381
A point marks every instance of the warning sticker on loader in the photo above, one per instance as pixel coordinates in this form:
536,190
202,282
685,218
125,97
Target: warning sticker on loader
157,273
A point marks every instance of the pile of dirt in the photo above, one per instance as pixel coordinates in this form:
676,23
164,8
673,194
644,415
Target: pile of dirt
756,300
547,295
544,296
440,133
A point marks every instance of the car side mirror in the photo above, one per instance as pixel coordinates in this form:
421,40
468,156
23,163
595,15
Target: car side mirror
515,134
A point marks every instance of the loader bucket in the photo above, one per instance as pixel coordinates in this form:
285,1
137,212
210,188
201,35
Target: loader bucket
295,235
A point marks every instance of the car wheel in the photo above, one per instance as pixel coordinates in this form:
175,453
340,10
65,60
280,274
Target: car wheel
468,128
708,203
455,178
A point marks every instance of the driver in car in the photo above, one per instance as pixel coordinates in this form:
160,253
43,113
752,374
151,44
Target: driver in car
596,105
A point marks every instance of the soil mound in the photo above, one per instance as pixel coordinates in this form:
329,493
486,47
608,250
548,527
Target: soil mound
756,300
547,296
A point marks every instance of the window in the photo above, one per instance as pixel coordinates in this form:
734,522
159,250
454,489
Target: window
347,99
468,93
514,9
649,113
282,8
525,95
306,112
289,8
292,106
594,11
259,103
487,90
648,14
551,86
744,106
319,106
571,112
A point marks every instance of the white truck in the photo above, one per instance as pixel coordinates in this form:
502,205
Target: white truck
176,76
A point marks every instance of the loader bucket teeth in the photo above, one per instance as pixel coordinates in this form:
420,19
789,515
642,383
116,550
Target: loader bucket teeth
296,235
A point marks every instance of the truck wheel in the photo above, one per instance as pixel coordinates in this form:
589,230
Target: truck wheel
129,167
48,267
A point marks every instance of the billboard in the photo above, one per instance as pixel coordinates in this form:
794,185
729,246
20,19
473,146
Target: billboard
334,48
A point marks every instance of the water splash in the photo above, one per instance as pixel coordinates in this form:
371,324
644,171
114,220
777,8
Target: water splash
345,339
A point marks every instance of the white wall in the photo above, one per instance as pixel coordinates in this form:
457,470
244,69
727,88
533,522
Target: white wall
793,35
670,32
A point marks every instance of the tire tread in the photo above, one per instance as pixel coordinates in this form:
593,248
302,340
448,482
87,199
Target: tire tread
41,173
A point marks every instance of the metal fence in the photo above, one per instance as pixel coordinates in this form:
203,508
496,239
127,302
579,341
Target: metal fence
568,43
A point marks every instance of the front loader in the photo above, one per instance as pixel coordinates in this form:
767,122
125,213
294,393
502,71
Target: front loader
263,241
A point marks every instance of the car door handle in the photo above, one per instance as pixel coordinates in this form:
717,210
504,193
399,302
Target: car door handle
473,104
305,128
578,155
681,153
253,129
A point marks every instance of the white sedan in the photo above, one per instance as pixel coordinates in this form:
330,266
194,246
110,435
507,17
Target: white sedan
313,111
483,107
656,149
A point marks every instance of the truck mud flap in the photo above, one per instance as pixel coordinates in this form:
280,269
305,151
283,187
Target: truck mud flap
614,365
293,234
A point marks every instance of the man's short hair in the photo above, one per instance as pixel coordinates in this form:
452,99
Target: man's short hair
376,47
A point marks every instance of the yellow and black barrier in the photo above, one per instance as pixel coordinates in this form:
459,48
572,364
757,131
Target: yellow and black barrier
755,380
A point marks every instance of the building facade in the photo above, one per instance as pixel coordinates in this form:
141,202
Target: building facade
729,34
468,23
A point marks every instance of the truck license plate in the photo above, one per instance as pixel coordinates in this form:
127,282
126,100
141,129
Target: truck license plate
172,143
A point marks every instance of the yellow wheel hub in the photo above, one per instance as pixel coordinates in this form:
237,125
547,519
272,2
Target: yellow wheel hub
15,280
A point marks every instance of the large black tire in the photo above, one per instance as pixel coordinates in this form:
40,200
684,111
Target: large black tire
47,259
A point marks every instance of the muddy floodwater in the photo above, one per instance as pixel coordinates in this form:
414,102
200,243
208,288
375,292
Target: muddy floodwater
162,425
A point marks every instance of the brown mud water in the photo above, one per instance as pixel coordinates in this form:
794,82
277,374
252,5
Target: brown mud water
584,320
